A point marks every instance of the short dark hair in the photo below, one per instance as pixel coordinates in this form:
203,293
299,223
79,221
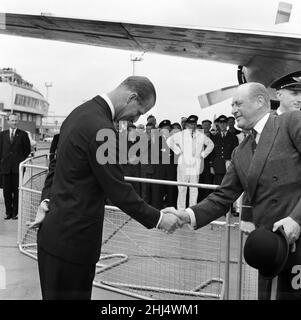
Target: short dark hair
131,126
142,86
150,124
12,114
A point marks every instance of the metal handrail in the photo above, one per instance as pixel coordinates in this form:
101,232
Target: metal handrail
227,223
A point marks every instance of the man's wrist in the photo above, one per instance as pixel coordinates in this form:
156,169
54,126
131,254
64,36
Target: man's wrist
192,220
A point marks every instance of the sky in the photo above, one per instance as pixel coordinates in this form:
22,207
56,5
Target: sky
79,72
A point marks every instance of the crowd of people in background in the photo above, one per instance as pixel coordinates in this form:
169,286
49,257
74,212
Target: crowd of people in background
199,151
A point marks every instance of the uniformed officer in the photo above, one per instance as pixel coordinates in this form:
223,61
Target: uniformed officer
189,145
288,91
151,119
148,169
132,167
206,125
206,176
231,126
183,121
164,194
224,144
175,127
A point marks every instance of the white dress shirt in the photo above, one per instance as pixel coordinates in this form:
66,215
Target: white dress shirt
12,131
260,125
109,102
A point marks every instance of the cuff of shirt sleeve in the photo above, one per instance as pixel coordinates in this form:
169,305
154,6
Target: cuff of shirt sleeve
161,214
192,224
45,204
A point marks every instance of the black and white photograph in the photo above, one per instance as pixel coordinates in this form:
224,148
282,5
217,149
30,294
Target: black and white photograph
150,151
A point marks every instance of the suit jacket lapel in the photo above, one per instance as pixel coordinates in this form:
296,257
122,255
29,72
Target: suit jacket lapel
263,149
244,157
106,107
7,135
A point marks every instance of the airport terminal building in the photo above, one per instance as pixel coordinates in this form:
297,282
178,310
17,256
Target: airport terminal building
22,98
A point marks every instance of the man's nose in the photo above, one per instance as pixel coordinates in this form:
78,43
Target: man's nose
233,110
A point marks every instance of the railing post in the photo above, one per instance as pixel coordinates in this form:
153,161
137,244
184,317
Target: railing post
227,256
239,251
20,202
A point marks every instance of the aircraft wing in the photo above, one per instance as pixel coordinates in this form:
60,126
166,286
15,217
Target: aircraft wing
229,46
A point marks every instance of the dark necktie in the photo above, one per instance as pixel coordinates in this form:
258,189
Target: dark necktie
253,136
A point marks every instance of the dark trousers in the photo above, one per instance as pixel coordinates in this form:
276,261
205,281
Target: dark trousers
165,195
11,193
207,178
285,290
62,280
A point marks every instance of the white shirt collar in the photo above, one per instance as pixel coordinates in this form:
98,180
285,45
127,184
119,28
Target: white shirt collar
260,125
110,104
11,130
279,112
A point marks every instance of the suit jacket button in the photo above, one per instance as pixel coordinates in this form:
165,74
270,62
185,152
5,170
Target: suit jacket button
275,178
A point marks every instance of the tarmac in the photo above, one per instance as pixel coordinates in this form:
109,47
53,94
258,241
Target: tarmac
21,279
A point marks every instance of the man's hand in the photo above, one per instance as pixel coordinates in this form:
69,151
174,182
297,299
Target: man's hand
40,216
182,215
291,228
227,164
169,222
246,226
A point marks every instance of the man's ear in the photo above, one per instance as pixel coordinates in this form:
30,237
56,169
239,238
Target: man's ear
278,94
261,100
132,96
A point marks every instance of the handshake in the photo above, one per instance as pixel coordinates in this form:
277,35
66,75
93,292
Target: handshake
173,219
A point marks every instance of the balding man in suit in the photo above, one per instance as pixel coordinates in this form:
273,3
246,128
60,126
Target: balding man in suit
288,91
69,238
267,166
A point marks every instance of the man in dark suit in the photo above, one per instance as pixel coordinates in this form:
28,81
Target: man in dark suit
87,170
14,148
267,166
288,90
